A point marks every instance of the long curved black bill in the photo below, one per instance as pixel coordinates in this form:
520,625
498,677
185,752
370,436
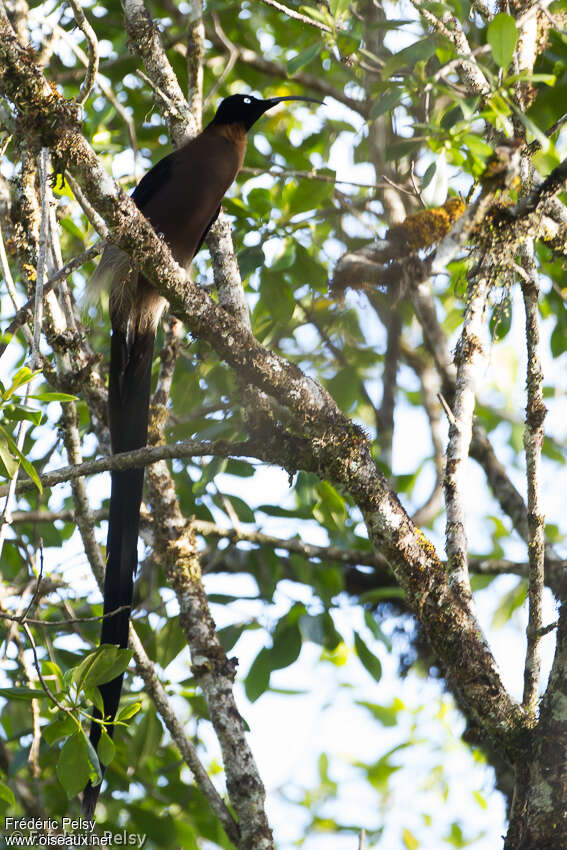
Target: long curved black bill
273,101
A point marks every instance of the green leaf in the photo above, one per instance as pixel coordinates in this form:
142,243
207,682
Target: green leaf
106,748
277,297
286,644
502,35
24,694
367,658
14,450
6,794
372,623
386,102
22,376
419,51
258,678
380,593
320,629
58,729
249,259
73,766
7,459
387,715
48,396
304,58
510,602
128,711
321,14
100,666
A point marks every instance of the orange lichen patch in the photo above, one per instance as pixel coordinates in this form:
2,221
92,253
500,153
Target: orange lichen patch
427,227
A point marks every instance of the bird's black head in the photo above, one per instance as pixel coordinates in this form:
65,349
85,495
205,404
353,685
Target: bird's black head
246,109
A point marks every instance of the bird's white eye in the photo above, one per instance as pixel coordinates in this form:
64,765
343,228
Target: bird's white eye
247,100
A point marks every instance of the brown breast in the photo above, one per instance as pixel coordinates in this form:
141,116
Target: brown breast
201,172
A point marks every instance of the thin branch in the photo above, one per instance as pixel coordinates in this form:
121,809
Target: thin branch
171,107
314,174
325,554
93,217
552,184
451,28
92,48
41,259
146,670
429,387
68,621
23,314
142,457
195,54
385,414
533,442
276,69
146,41
35,353
85,60
297,16
232,59
10,286
468,357
45,687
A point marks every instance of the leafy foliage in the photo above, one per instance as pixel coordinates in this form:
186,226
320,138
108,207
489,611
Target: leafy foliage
396,106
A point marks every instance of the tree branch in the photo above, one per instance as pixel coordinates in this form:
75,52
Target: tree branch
533,442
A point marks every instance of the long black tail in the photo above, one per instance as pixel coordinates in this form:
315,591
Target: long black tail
128,404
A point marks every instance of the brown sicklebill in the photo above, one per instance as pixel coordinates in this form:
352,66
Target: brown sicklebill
181,197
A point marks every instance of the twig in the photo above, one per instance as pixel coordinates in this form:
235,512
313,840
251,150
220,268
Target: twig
23,313
10,286
99,79
36,592
92,48
448,412
385,413
468,357
533,442
450,27
168,358
297,16
542,193
429,386
94,218
170,106
41,259
43,683
279,71
146,670
146,41
325,554
142,457
482,10
232,58
19,618
315,175
11,489
195,54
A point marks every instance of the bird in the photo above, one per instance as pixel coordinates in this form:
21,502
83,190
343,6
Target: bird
181,197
